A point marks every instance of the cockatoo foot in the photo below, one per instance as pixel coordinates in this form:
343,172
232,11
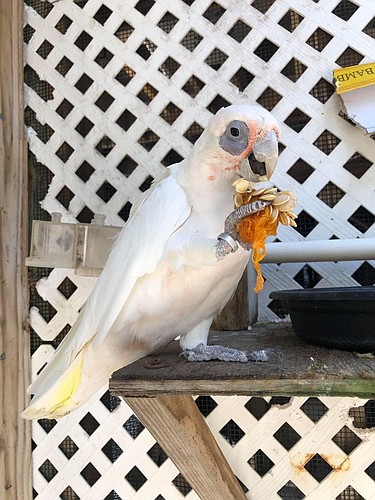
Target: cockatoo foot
230,224
230,239
211,352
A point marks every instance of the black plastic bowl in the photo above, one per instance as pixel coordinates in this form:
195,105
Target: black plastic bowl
343,318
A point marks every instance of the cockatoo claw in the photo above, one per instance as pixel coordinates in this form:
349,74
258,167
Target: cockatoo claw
257,355
230,224
230,239
217,352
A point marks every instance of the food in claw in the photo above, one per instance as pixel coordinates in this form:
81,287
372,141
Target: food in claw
255,228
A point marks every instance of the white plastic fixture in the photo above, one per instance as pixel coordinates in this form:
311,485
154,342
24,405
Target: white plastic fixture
82,247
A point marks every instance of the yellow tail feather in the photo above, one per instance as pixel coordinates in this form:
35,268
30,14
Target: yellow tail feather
64,391
59,396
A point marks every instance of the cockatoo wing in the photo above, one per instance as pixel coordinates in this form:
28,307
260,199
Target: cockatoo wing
137,252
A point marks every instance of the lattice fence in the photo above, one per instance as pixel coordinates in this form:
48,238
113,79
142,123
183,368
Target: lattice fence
116,91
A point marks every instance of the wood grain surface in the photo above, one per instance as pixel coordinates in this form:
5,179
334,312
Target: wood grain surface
15,433
295,368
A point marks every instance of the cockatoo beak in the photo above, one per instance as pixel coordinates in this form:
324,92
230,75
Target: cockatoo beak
263,158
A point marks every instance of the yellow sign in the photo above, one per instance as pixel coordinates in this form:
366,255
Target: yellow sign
354,77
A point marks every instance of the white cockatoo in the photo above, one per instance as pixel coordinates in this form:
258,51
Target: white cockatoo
172,268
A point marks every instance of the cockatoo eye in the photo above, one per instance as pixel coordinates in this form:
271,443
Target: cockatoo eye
236,138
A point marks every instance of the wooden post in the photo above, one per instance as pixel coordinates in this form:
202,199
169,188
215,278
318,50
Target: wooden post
15,435
241,311
182,432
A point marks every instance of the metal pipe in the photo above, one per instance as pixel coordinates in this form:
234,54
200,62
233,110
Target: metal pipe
320,250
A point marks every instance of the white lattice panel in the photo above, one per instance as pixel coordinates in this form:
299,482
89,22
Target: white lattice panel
115,91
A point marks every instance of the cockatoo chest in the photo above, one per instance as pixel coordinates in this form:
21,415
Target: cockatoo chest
174,298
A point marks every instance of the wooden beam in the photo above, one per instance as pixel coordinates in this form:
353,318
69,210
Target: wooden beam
182,432
15,433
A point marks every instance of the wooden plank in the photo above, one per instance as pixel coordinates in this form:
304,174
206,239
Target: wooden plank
15,433
294,369
181,430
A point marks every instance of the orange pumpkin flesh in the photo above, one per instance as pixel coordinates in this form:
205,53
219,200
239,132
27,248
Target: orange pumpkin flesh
254,229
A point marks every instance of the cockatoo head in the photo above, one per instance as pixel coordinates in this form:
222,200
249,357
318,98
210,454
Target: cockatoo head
242,139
